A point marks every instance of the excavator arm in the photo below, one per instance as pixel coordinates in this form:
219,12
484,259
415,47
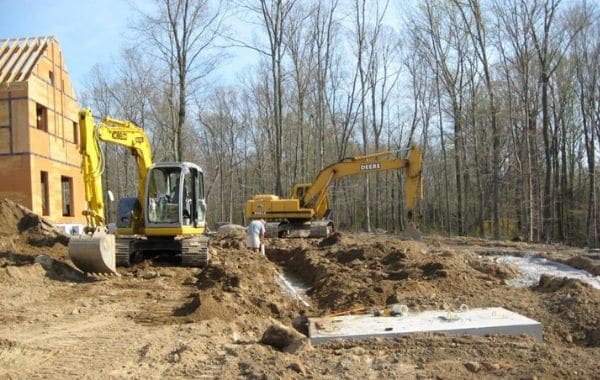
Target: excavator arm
95,251
112,131
315,195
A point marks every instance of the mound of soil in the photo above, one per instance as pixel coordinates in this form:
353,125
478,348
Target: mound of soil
576,306
372,272
158,320
22,226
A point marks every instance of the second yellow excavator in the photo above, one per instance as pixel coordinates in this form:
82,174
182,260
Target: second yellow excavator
167,216
306,212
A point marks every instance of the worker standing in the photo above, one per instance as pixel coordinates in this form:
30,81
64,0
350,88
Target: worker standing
255,235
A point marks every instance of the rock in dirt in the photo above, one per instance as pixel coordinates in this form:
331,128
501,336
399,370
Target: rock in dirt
149,275
297,367
491,366
283,338
44,261
300,323
472,366
335,238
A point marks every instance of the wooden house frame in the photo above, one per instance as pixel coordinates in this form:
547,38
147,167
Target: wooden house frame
40,164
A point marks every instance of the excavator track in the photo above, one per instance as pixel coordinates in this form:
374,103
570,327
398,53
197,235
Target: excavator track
321,229
314,229
194,251
123,251
272,229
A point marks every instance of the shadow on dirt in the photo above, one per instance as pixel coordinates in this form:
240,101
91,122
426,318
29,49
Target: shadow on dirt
55,270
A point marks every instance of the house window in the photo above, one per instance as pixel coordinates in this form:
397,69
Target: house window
51,78
41,117
44,193
75,133
66,185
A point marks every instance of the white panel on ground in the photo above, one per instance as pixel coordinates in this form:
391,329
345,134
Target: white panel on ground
486,321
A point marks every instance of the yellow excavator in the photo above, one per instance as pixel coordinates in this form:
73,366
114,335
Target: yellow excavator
166,217
306,212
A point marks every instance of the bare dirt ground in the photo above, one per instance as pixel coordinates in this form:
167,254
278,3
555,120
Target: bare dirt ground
159,320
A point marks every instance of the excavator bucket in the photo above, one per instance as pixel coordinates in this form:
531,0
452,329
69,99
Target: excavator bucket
94,253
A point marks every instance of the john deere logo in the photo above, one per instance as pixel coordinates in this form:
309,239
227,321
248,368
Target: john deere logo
370,166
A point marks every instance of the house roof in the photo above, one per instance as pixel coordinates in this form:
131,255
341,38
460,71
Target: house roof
19,56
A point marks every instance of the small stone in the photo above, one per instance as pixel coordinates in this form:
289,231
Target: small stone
230,349
359,351
55,315
189,281
75,311
472,366
491,366
148,275
44,260
297,367
569,338
280,336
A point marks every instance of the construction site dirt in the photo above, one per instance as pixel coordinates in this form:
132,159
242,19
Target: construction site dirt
160,320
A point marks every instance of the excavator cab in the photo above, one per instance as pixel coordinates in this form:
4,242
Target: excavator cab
175,196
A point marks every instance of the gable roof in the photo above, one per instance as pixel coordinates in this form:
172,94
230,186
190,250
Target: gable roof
19,56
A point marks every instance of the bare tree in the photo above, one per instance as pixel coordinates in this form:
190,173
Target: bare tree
183,33
478,36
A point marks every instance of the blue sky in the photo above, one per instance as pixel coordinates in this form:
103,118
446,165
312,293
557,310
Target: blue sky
89,31
94,31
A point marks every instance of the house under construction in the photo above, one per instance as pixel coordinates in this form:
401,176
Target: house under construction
40,164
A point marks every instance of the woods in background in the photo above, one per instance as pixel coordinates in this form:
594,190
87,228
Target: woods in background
503,97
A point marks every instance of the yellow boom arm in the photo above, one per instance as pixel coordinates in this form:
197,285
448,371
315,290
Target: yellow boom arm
116,132
315,196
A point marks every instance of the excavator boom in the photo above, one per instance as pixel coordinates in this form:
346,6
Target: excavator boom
94,252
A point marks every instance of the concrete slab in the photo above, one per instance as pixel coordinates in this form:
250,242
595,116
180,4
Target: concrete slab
486,321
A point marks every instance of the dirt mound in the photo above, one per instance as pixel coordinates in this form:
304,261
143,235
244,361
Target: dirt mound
374,272
227,228
577,306
229,237
20,223
238,285
553,284
32,269
586,263
27,273
161,319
